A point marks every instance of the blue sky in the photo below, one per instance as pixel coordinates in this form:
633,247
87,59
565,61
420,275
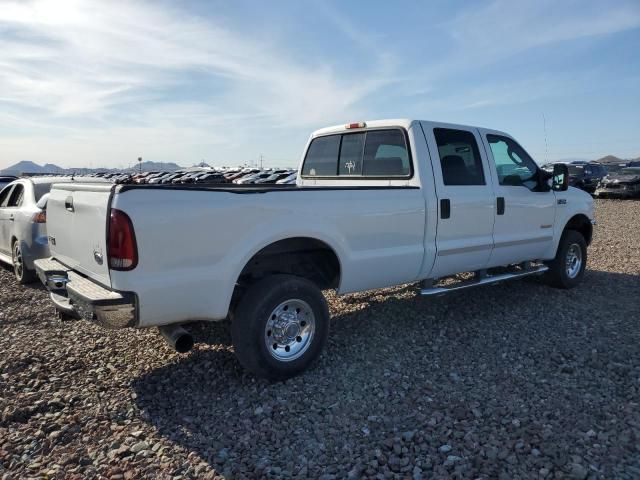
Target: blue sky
89,83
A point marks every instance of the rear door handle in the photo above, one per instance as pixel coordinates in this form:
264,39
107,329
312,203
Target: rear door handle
445,208
12,219
68,204
500,205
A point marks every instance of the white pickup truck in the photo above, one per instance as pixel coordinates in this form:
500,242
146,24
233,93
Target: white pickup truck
376,204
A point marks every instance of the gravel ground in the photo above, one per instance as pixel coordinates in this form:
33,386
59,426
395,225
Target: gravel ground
512,381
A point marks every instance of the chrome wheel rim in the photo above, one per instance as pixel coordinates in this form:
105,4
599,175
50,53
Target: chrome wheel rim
574,260
18,266
289,330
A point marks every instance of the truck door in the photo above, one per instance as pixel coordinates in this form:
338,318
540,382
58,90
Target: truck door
466,204
525,212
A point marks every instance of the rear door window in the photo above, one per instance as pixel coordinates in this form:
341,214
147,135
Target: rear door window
370,154
4,195
15,200
459,157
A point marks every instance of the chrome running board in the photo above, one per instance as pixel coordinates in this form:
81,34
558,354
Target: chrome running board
484,280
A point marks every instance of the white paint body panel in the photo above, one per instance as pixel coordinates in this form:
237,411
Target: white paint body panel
75,237
194,243
465,240
525,230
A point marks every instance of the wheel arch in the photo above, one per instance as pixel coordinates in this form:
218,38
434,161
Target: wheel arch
305,256
580,223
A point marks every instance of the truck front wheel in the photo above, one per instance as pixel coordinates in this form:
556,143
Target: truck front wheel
280,326
567,269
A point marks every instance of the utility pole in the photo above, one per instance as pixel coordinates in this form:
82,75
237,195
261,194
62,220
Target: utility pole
261,158
140,164
546,147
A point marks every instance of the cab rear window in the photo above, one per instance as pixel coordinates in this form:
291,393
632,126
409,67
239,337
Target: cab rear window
370,154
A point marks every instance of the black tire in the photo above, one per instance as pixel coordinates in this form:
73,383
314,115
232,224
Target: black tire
66,316
255,311
23,274
559,274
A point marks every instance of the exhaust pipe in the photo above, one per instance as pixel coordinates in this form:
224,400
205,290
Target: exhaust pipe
177,338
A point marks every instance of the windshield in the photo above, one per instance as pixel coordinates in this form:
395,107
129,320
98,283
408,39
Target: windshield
575,170
630,171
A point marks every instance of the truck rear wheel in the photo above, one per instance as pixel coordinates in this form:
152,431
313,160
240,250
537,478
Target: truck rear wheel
567,269
280,326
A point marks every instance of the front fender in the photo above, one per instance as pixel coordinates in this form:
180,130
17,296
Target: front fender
569,204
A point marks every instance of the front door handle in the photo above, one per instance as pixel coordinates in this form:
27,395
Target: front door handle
500,205
445,208
12,219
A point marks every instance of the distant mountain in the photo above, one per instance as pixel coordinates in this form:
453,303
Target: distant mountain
25,167
611,159
151,166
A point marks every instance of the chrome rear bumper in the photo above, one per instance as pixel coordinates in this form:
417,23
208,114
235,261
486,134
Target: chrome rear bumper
74,293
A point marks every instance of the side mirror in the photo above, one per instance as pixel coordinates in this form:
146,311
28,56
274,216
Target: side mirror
560,177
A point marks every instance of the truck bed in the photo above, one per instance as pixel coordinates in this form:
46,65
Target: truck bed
194,240
250,188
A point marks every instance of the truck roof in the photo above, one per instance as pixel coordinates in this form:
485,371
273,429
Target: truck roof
392,122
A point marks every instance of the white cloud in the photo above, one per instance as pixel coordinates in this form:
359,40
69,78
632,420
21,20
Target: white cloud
108,62
503,27
109,80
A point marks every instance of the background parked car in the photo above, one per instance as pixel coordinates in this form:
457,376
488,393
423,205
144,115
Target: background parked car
274,177
289,179
586,176
625,183
23,216
252,178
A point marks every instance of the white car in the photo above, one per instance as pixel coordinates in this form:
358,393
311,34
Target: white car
289,179
252,178
275,175
23,216
376,204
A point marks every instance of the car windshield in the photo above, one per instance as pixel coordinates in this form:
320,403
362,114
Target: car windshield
575,170
40,189
630,171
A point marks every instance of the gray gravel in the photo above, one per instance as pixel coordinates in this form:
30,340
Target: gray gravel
511,381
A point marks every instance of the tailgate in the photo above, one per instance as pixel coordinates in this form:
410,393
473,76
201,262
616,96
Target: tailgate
77,217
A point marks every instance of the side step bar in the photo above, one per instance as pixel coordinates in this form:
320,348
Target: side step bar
484,280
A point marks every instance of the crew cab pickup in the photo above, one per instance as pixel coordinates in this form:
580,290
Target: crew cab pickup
376,204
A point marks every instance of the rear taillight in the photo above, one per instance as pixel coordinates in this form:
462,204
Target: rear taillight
121,242
40,217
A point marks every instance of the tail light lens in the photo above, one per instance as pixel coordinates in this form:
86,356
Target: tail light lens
40,217
121,242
